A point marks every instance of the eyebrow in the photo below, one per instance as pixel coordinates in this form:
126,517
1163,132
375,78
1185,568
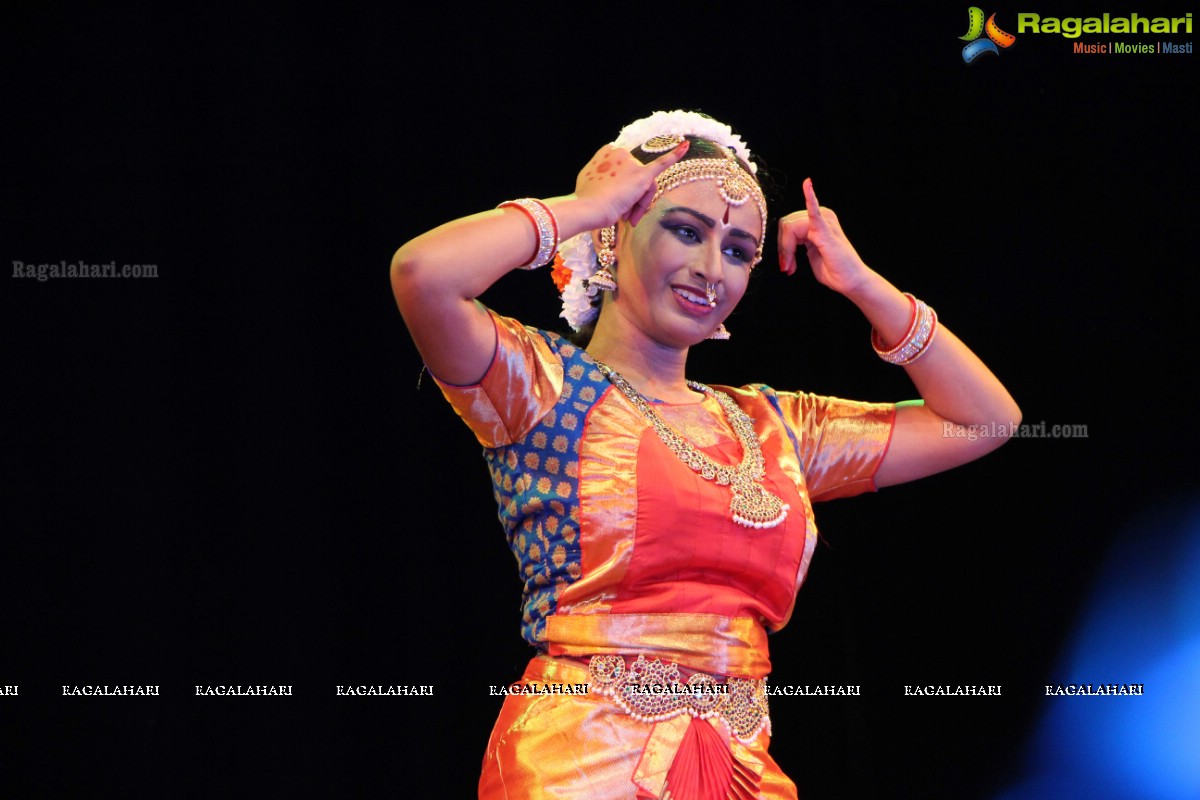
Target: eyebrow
711,224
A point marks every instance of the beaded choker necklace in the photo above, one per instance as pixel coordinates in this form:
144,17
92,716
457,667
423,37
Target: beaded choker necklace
752,505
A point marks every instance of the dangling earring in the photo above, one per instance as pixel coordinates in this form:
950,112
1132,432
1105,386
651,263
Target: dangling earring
720,333
603,278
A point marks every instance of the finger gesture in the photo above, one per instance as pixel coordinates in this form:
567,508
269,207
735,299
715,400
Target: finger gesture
833,259
621,186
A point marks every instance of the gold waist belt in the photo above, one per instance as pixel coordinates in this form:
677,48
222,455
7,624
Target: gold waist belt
652,691
706,642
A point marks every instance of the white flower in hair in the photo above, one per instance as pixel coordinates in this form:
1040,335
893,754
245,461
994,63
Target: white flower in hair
579,256
683,123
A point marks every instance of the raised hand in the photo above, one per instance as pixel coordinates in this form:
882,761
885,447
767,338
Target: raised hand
621,187
834,261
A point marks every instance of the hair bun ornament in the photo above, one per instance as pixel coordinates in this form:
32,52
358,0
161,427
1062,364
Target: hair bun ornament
664,143
677,124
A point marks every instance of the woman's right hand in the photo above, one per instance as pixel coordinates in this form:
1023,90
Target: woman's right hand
618,186
437,276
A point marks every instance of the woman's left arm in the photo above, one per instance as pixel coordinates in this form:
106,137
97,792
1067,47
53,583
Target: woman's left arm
955,386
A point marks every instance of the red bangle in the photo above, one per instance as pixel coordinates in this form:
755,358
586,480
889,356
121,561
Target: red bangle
877,343
915,342
545,228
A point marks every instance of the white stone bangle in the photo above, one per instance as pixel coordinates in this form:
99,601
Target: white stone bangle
916,341
546,229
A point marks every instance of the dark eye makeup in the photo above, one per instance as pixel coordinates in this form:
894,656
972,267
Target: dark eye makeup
690,233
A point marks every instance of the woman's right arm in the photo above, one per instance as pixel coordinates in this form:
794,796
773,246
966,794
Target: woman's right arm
437,276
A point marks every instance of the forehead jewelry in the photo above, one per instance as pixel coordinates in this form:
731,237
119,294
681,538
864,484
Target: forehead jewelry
735,185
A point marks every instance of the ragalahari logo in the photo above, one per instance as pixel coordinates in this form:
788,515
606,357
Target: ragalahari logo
976,27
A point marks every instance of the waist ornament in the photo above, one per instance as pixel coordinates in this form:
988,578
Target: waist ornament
651,690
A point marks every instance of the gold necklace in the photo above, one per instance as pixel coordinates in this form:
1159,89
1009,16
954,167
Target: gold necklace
752,505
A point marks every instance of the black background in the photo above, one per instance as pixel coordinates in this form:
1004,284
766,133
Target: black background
228,474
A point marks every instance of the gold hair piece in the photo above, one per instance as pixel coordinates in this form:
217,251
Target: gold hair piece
733,182
663,143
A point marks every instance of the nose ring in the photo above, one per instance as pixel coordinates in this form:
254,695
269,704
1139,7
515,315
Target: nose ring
710,293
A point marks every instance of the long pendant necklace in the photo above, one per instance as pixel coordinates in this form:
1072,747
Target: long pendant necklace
752,505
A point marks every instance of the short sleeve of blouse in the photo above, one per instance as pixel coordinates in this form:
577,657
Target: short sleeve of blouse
521,385
841,442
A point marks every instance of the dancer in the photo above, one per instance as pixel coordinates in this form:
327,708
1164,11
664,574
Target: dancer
662,527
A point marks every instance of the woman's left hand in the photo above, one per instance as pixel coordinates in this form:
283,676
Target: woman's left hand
834,261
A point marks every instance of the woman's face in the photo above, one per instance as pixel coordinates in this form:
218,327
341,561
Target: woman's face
690,238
